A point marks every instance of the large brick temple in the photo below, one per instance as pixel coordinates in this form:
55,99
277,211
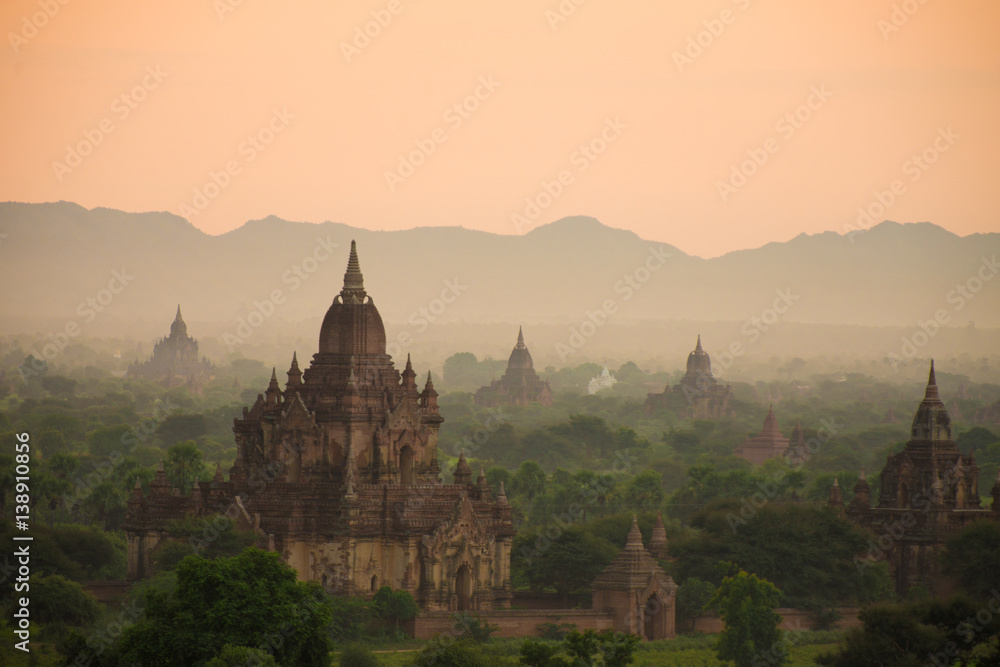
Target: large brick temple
929,492
338,472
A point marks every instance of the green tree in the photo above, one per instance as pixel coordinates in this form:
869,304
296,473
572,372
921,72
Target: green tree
241,656
461,371
692,597
746,605
590,431
938,631
60,386
107,440
645,491
394,607
462,653
184,465
615,648
250,600
108,502
181,427
971,557
808,552
209,536
609,648
358,655
472,626
529,481
567,563
495,475
56,599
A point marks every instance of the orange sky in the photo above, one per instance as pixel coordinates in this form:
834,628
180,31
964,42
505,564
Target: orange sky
672,129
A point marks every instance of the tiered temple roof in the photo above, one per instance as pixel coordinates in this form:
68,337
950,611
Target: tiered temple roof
768,444
520,384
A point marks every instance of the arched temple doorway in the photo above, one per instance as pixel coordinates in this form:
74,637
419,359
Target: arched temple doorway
463,588
406,465
655,618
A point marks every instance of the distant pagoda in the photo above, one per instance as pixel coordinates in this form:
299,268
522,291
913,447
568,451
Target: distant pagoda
520,384
603,381
175,361
768,443
700,394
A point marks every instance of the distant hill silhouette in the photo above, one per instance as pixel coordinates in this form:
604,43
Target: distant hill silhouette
56,255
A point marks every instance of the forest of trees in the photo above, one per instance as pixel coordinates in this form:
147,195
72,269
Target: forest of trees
575,474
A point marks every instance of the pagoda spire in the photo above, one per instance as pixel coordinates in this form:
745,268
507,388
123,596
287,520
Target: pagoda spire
836,495
931,423
178,327
520,337
697,347
354,282
931,393
409,376
634,541
273,390
294,374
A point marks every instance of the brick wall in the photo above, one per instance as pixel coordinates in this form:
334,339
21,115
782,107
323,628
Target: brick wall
791,619
512,622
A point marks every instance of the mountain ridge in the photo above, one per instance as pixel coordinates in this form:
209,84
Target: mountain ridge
893,274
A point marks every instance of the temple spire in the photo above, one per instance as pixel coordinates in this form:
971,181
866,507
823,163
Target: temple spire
178,327
520,337
931,393
697,348
354,282
634,541
294,374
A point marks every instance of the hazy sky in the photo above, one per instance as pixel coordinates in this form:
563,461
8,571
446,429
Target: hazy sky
135,104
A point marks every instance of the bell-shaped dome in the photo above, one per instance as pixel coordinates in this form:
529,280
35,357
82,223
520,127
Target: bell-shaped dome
352,324
178,328
519,356
931,422
699,362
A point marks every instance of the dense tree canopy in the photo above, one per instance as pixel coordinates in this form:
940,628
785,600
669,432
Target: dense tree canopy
751,636
251,600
